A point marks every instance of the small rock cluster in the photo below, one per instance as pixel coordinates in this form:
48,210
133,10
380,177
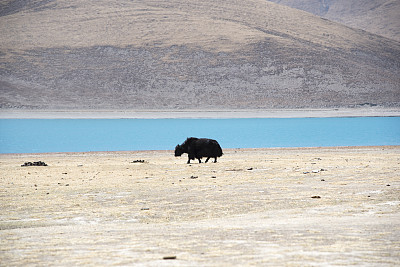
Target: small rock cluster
35,163
139,161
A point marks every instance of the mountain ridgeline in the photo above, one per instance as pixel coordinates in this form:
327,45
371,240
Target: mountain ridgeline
82,54
381,17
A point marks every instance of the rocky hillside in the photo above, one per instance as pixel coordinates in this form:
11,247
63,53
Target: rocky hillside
381,17
183,54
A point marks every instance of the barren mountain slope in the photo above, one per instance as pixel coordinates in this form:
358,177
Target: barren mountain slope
85,54
381,17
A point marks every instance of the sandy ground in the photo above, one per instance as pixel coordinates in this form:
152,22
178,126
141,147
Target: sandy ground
220,114
265,207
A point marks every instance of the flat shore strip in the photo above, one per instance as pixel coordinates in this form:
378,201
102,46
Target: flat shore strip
266,207
206,114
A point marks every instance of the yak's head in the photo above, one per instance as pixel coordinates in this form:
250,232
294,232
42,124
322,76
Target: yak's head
178,151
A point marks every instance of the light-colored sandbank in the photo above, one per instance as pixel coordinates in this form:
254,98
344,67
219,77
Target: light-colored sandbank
162,114
263,207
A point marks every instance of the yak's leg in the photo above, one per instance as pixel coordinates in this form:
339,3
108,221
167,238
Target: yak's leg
199,160
190,156
207,159
215,161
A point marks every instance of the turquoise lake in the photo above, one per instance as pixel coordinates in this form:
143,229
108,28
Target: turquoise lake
80,135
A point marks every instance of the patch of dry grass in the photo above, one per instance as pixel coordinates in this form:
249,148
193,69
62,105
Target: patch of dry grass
255,206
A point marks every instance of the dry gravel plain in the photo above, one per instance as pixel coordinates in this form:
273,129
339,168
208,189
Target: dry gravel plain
264,207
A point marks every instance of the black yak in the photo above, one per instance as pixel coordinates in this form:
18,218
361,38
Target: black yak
198,148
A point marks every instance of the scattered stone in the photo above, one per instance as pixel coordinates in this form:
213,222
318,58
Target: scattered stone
213,177
388,185
35,163
315,197
139,161
194,177
169,258
249,169
315,171
145,209
322,180
234,170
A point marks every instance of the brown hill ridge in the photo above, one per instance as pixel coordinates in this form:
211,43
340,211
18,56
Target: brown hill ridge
58,54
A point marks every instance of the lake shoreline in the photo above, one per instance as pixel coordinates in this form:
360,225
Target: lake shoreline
157,151
199,114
